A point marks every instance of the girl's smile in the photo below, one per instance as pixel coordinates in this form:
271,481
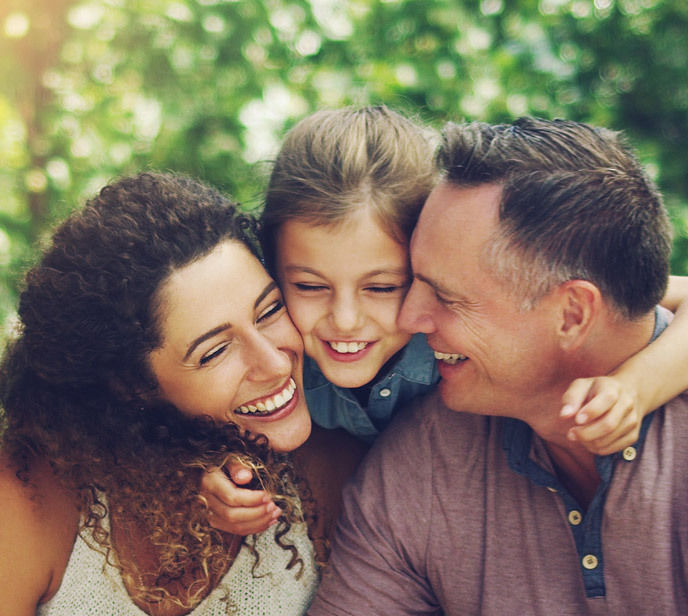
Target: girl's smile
344,286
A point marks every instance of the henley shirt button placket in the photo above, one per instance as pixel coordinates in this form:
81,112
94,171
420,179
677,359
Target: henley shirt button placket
590,561
385,393
629,454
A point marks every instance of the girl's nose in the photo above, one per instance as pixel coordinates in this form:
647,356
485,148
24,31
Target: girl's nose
346,314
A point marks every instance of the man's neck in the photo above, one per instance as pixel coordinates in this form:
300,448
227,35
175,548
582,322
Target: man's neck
576,469
574,464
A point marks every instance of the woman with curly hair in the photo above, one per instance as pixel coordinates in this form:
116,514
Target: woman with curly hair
152,347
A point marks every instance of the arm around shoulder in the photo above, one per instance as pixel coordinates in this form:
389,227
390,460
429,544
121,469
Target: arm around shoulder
37,520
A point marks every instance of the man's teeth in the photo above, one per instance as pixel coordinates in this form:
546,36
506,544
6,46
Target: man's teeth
449,358
267,406
348,347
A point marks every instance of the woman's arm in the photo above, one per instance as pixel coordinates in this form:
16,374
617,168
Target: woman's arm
37,527
610,409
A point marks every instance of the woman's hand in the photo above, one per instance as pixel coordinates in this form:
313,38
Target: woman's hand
236,510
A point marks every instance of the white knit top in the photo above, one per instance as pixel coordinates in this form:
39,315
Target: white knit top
92,587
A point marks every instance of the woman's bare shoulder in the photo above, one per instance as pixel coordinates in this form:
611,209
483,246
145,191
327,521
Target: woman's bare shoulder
38,523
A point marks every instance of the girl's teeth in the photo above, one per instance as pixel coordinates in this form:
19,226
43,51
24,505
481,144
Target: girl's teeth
449,358
348,347
270,404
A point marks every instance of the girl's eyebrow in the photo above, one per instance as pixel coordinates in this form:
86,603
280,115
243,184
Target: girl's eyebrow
302,268
309,270
271,286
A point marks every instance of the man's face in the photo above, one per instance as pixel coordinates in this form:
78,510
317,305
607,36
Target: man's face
494,358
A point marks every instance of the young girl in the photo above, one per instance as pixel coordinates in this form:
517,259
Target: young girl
344,195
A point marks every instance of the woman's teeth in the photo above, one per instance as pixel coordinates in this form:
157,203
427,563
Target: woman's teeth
269,405
348,347
449,358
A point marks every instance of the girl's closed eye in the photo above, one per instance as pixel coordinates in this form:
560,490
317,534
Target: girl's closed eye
384,288
303,286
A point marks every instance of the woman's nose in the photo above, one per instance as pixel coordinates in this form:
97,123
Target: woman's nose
267,360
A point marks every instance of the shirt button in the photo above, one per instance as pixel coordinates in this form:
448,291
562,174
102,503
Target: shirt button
629,453
385,393
575,518
590,561
552,489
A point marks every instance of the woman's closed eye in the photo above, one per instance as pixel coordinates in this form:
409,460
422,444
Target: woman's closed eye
214,353
272,310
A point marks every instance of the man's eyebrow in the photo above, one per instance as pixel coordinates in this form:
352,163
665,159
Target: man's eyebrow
442,290
271,286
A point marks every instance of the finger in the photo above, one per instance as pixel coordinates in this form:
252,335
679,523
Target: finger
624,435
600,428
242,520
575,396
605,403
605,418
248,528
217,484
239,473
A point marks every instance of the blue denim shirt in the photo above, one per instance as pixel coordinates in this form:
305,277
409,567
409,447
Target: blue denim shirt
520,443
414,373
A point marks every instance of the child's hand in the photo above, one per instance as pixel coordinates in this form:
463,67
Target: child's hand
237,510
606,413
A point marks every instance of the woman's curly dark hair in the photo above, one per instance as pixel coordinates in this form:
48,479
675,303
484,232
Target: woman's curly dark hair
74,383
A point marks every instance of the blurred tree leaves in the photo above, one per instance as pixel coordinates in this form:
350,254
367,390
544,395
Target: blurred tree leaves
94,89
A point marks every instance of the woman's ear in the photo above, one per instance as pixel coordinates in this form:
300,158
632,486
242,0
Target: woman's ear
579,305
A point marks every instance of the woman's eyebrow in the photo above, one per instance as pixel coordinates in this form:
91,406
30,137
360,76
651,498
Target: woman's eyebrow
203,337
271,286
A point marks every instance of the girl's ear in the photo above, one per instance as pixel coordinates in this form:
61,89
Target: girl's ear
579,305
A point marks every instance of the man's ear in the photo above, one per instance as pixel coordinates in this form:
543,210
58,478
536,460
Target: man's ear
579,304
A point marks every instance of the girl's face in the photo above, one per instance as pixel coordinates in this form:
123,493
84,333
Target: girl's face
229,349
344,287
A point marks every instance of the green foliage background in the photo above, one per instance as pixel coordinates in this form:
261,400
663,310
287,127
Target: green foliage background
91,90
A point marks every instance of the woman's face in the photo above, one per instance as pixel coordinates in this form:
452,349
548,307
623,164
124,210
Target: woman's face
229,349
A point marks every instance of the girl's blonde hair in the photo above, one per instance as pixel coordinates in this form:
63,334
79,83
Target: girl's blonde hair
335,162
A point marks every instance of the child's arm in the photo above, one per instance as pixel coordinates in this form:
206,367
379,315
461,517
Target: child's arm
237,510
610,409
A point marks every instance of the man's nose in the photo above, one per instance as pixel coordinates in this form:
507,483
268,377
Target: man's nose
415,315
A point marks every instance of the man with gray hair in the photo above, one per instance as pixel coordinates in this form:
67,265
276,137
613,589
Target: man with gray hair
539,259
